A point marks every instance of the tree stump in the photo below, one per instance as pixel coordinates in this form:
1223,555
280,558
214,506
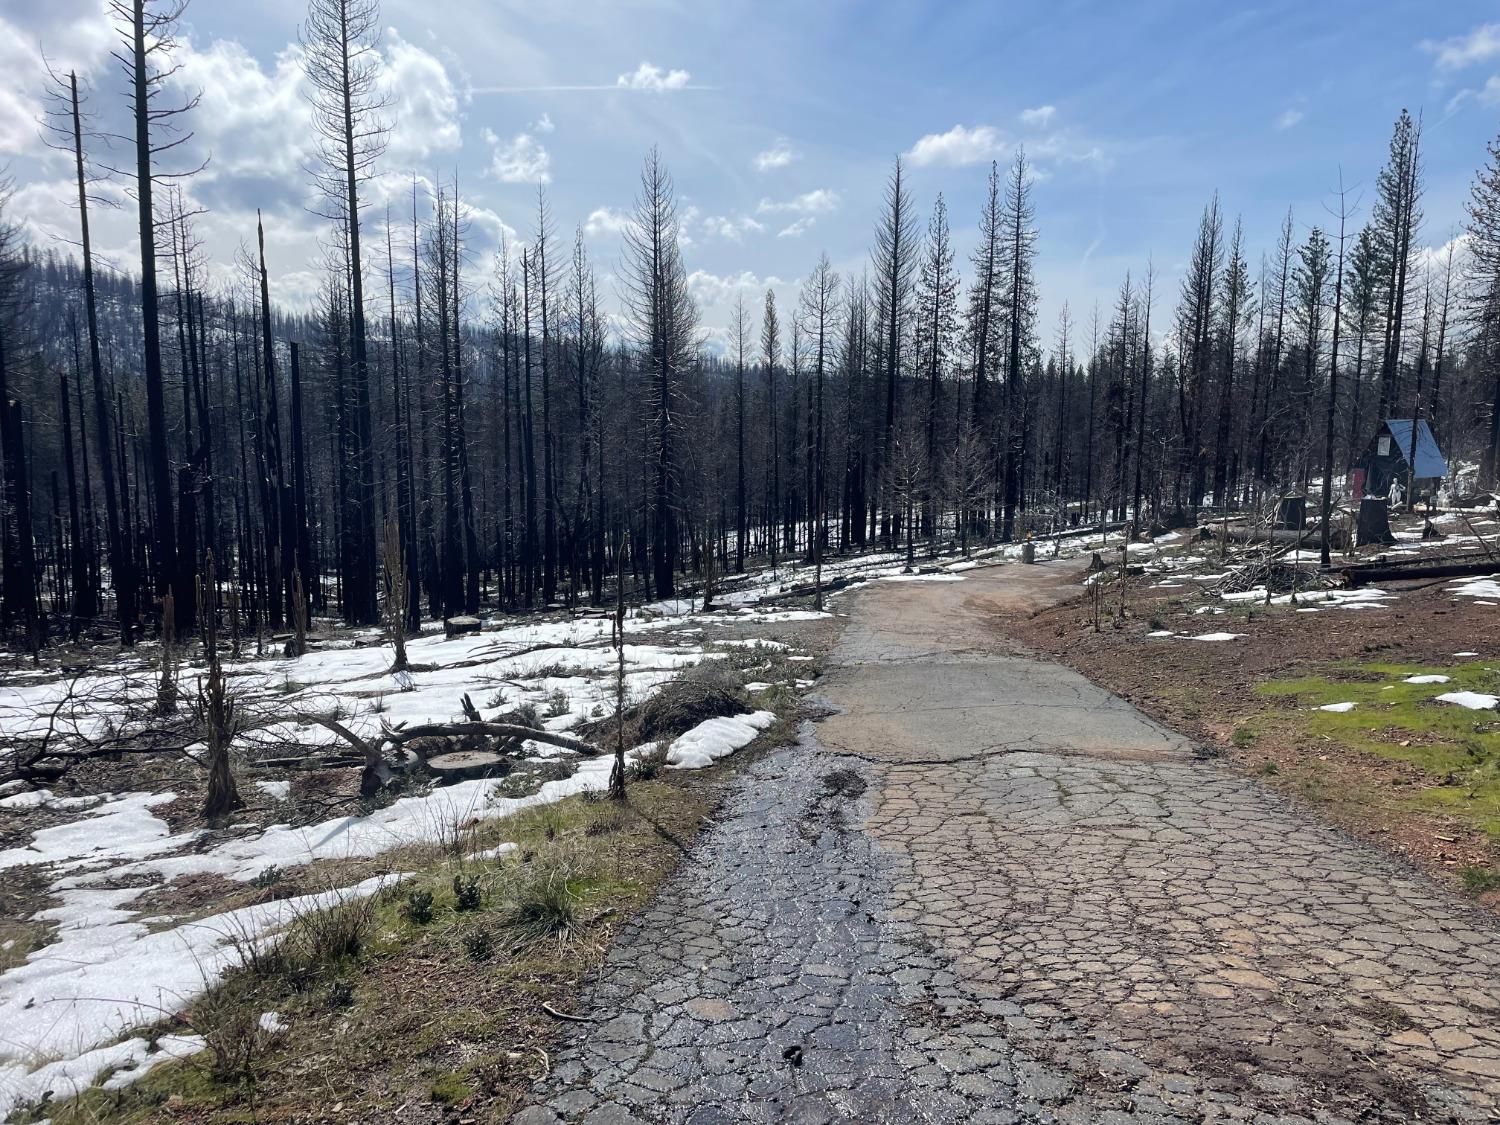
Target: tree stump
463,765
1374,521
460,626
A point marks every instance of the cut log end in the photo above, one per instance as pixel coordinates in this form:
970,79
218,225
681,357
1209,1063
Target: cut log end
463,764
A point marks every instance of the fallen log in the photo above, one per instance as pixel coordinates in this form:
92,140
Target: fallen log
1365,574
1282,537
377,773
403,735
1081,532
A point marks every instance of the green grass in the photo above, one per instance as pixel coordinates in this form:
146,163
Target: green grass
1456,748
1479,880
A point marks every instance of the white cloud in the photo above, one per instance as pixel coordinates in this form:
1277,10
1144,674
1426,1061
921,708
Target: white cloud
73,33
255,122
543,124
1038,117
797,229
650,77
819,201
1464,50
521,160
779,155
1435,260
732,228
425,102
1289,118
606,221
1065,148
711,289
1486,95
959,145
46,214
488,220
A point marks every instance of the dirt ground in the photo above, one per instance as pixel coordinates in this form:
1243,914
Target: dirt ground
1208,692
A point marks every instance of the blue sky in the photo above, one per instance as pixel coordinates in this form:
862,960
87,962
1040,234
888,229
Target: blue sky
780,120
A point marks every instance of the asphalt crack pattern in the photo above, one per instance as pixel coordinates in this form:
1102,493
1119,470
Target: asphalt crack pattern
1189,932
770,981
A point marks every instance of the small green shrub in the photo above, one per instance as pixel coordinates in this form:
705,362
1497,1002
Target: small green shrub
545,895
608,818
418,907
229,1020
650,762
479,944
466,892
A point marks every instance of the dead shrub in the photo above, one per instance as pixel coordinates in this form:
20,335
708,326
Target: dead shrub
229,1019
708,691
651,760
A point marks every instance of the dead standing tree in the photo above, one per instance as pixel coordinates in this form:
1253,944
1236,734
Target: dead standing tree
342,62
66,117
148,37
219,713
617,634
394,607
664,319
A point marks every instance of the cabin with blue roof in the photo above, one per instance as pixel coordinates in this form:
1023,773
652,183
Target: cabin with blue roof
1385,459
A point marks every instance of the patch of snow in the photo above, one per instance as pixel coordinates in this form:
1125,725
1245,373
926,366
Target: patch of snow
43,798
1465,654
496,852
1162,633
1478,587
106,973
1216,636
1339,707
69,1077
940,576
1473,700
272,1022
1432,679
716,738
168,1047
121,828
276,790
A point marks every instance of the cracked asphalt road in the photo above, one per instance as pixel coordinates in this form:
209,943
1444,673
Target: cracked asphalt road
986,890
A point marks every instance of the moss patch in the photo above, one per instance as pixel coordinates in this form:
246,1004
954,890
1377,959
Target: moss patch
1455,751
